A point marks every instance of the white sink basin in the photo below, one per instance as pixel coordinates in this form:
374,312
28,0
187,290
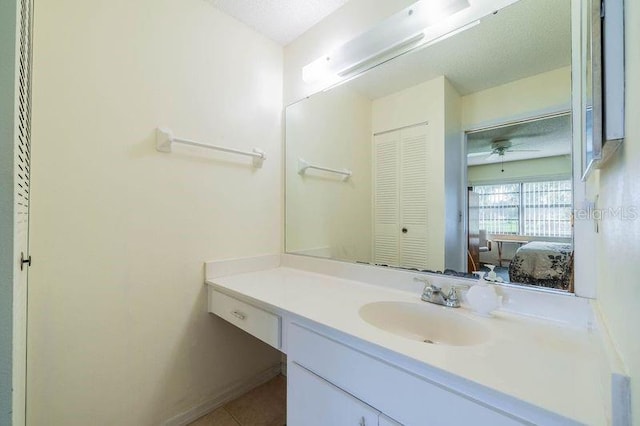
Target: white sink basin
425,322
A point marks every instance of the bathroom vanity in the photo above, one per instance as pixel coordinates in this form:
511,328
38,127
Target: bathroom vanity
370,354
431,126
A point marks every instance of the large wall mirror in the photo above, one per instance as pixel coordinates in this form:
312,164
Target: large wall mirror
453,158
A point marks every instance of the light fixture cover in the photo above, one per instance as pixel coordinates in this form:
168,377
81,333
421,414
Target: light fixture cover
399,32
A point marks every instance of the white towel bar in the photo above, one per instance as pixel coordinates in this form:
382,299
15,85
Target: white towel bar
165,140
303,166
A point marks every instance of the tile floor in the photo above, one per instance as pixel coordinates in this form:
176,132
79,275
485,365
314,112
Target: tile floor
265,405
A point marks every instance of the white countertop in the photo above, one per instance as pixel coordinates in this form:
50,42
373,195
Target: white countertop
548,365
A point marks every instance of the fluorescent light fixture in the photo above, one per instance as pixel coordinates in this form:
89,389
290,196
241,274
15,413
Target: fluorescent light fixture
449,34
318,70
396,34
372,60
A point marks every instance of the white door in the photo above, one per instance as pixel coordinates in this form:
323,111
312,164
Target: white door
402,176
415,180
22,171
312,401
386,198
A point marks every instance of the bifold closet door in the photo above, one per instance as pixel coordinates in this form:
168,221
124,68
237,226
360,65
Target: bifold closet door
386,193
402,177
22,173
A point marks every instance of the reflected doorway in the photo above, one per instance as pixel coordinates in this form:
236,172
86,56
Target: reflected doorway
520,202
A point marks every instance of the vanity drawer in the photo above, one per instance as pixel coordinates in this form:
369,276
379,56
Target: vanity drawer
255,321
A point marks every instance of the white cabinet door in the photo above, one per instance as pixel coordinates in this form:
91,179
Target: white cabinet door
312,401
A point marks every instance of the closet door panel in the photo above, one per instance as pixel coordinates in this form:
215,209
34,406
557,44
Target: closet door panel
386,220
22,197
415,180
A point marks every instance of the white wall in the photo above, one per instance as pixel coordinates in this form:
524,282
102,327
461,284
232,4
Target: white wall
119,333
422,102
525,98
324,213
619,238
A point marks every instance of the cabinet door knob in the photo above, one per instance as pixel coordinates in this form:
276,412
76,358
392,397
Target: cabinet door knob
405,230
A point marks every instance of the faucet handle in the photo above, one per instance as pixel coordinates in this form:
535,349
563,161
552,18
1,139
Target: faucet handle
422,279
427,285
460,286
453,299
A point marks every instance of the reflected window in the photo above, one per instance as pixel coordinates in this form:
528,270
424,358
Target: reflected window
499,208
533,209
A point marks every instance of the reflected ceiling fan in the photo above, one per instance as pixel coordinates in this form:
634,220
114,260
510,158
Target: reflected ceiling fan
500,147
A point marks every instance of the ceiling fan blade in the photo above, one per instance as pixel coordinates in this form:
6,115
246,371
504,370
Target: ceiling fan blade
518,144
527,135
523,145
489,156
478,154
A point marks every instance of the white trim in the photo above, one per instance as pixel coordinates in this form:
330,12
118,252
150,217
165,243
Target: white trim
232,392
617,379
531,179
525,117
324,252
586,259
620,400
422,123
225,267
283,364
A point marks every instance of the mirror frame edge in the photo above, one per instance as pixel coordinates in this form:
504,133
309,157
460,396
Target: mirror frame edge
585,271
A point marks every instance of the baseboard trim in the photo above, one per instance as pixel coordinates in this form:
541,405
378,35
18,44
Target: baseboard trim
232,392
621,400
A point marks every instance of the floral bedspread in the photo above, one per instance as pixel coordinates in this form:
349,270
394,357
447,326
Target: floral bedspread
544,264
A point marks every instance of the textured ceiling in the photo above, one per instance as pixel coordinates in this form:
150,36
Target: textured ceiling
540,138
527,38
280,20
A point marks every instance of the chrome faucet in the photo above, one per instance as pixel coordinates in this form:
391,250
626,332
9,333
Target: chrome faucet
434,294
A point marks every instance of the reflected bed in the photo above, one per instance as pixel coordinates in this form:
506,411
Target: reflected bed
543,264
